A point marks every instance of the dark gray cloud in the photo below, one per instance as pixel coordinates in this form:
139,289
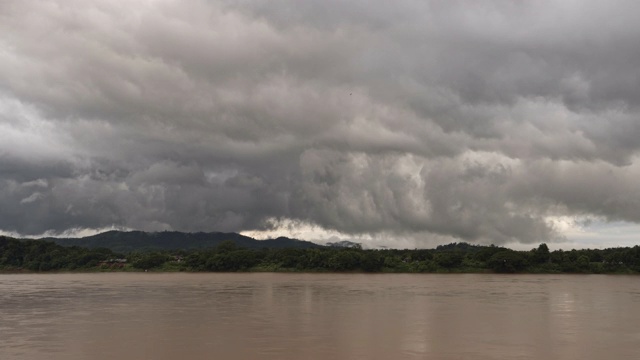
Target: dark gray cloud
479,121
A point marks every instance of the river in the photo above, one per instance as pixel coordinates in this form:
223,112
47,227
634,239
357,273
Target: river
318,316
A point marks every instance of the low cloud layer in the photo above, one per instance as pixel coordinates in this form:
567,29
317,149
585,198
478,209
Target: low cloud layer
462,120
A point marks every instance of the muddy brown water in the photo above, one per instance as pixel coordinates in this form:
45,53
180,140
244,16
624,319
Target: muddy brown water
318,316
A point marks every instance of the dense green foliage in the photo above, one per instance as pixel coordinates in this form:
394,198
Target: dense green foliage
38,255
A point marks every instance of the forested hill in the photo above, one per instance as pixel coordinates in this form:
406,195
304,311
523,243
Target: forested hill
127,241
37,255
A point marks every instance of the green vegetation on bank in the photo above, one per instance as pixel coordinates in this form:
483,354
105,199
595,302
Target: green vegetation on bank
38,255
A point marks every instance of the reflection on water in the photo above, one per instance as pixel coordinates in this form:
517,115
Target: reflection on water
318,316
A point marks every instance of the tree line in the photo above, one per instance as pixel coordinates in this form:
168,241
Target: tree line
38,255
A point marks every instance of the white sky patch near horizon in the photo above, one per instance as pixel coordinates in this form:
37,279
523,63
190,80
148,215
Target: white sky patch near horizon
576,232
69,233
587,232
296,230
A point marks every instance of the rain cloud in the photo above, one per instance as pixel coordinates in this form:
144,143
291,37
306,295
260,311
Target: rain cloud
423,120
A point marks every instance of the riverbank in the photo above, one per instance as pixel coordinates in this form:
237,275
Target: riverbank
41,256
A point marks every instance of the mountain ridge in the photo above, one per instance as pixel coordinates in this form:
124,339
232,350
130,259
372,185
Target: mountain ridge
135,240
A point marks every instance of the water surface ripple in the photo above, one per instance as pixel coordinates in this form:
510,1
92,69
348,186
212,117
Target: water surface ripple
318,316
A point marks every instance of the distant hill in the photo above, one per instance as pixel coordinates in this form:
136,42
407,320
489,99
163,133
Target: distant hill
127,241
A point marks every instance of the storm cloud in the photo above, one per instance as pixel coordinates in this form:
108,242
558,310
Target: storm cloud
463,120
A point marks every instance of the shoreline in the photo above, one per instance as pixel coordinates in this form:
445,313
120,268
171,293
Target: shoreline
294,271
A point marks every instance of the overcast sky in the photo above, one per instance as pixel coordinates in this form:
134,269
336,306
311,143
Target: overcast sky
403,123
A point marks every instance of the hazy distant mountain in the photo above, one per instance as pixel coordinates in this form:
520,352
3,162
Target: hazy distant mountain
345,244
126,241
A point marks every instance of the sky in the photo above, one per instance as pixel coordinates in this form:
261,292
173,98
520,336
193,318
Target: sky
398,124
